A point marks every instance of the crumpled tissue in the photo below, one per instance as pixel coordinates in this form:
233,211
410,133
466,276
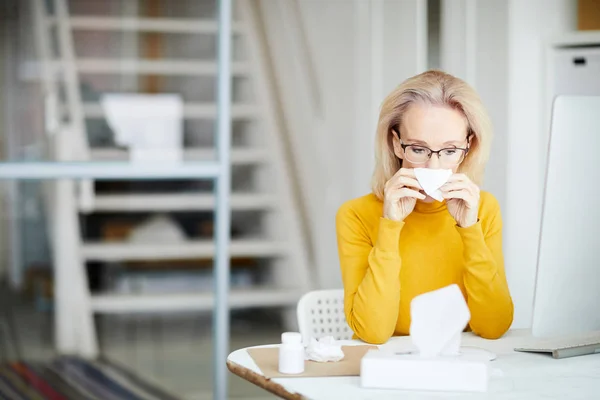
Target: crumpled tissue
431,180
437,321
324,349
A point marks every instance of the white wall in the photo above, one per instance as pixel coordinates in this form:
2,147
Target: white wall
491,77
358,51
531,24
317,104
474,47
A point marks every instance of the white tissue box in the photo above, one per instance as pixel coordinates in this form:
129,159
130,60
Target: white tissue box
387,370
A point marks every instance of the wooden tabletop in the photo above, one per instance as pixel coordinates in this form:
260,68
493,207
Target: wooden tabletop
262,381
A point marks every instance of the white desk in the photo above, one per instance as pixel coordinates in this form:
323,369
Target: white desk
514,376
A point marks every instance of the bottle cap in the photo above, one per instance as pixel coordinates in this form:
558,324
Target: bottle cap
291,338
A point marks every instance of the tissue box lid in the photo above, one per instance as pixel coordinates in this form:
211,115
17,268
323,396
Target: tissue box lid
390,355
387,370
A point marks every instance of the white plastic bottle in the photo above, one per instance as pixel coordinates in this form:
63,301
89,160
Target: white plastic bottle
291,353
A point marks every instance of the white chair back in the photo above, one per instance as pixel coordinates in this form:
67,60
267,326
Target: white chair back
321,313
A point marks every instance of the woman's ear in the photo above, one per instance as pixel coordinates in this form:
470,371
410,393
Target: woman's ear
397,145
470,136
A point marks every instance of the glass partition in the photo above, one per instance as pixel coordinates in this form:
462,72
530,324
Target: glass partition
116,131
132,283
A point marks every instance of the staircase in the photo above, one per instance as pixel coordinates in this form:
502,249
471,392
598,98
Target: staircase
177,41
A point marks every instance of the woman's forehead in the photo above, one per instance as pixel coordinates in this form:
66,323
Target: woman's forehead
433,124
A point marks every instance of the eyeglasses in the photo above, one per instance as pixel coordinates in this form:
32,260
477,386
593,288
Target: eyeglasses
417,154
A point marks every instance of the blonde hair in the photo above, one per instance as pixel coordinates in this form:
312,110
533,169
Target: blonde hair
435,88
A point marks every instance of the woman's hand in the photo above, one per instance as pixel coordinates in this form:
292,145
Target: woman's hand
400,195
462,197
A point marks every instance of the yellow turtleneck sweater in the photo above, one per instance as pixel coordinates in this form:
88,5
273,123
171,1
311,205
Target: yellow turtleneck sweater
385,264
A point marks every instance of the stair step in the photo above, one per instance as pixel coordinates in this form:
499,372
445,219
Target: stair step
178,202
165,25
238,156
158,67
190,111
38,170
193,249
238,299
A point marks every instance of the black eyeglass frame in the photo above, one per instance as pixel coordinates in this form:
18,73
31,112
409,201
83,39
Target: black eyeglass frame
431,152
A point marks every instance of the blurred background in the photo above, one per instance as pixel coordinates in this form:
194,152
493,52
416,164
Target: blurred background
133,258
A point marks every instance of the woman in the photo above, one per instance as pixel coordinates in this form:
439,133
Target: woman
398,242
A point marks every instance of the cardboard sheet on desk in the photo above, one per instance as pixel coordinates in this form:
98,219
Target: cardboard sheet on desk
267,359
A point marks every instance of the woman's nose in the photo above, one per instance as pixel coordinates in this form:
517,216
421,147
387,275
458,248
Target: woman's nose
434,162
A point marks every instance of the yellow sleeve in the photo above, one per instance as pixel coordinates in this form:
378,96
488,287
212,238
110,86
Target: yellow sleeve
370,274
484,278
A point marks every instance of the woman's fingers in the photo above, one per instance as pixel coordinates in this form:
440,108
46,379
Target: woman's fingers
408,172
458,178
400,192
461,194
460,185
405,172
460,181
406,192
405,177
401,182
406,182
